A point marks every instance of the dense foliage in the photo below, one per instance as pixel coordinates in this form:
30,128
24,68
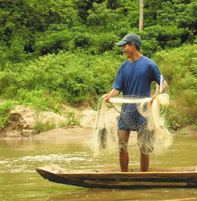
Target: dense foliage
179,68
32,28
64,51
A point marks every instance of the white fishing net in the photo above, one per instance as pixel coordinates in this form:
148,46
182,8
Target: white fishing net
142,115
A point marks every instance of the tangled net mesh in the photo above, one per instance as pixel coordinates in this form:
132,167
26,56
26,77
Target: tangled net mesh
142,115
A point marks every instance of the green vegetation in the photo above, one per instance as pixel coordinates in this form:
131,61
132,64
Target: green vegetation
72,119
5,112
43,127
63,52
179,67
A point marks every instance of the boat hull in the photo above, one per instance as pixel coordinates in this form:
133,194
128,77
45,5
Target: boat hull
114,179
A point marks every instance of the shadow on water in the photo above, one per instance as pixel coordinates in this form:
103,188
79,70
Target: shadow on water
20,181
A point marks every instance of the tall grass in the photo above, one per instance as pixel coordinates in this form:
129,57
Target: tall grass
179,67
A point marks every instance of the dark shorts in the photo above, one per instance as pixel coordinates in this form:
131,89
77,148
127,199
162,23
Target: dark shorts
130,119
146,139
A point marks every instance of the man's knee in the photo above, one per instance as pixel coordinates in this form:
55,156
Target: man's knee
123,136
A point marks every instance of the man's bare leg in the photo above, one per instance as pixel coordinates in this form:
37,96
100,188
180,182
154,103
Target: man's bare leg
144,162
123,154
144,159
124,161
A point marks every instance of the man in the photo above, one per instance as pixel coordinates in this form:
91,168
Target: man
134,78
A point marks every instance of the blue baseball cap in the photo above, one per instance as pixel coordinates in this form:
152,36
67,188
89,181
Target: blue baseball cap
130,38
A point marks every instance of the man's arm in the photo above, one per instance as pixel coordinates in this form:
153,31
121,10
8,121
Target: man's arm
113,93
164,86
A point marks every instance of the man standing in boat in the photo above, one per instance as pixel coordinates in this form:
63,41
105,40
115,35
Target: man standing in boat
134,78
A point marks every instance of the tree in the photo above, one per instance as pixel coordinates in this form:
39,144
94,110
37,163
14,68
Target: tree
141,15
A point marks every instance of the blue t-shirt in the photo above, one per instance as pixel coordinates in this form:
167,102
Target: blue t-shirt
134,79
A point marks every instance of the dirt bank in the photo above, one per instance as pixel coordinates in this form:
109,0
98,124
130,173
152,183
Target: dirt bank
23,120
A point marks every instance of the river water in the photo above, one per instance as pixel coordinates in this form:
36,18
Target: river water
20,157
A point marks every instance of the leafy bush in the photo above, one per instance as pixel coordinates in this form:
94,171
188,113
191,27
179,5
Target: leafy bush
182,13
73,77
5,114
149,47
15,53
103,42
53,43
101,15
156,38
179,69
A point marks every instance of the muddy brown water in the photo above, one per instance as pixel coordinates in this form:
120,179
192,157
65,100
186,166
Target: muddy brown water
20,157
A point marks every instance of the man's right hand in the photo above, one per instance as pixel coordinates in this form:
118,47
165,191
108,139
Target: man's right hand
106,97
113,93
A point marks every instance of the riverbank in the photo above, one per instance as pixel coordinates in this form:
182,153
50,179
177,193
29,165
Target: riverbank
27,122
23,121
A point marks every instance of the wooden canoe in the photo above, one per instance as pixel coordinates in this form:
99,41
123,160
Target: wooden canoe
114,179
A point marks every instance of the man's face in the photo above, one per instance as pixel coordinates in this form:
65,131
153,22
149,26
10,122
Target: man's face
128,50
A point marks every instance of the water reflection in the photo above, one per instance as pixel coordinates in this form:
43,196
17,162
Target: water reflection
19,158
140,194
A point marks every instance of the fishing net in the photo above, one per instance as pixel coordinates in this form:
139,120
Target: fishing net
142,115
